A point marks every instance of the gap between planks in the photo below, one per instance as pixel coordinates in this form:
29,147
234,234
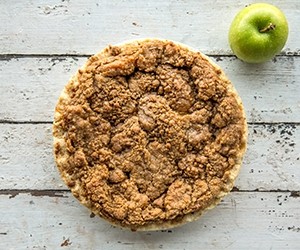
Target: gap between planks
5,57
50,122
59,192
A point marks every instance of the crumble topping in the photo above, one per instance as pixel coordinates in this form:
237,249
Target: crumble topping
149,132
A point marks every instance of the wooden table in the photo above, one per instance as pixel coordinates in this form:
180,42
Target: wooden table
42,43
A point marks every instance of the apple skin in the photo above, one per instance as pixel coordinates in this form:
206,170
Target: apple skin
258,33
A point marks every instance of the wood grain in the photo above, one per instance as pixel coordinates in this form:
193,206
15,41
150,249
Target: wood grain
241,221
30,87
82,27
271,161
43,43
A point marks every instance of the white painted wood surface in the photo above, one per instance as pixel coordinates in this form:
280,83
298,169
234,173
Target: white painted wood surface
270,92
272,160
42,43
242,221
82,27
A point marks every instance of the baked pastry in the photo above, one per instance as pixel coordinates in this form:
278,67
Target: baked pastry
149,134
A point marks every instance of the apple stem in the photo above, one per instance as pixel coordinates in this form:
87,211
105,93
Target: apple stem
271,26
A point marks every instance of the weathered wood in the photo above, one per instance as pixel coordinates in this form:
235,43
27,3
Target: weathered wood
42,38
82,27
30,87
26,157
271,161
241,221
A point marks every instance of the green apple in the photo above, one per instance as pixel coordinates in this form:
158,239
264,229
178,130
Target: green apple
258,33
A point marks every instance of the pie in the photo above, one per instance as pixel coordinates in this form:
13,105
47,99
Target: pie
149,134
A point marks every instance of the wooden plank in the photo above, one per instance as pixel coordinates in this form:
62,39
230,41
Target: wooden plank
82,27
30,87
270,91
51,222
271,161
26,157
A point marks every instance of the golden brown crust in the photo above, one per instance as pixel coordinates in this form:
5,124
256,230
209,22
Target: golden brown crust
149,134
